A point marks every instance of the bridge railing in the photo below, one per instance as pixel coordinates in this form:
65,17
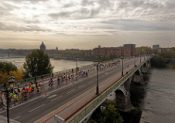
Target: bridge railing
89,108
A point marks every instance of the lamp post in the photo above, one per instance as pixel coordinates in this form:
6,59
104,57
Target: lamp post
35,72
122,57
140,54
7,86
97,86
122,66
144,55
134,61
76,68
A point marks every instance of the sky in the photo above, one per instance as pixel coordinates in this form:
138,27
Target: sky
85,24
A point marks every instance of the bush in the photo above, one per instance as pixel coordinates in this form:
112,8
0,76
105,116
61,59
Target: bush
158,62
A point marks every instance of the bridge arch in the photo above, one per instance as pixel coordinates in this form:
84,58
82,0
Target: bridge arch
120,99
145,64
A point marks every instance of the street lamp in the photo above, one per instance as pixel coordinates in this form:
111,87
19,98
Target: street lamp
135,61
122,57
140,54
122,66
97,86
6,89
76,67
35,72
144,55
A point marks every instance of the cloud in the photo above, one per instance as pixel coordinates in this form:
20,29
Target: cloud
19,28
87,16
138,25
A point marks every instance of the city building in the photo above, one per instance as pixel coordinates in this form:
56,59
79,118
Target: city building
156,47
127,50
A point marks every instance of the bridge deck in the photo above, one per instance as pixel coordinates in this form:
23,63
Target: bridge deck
74,106
67,102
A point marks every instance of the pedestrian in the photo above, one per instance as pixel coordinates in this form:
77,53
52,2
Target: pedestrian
58,81
51,82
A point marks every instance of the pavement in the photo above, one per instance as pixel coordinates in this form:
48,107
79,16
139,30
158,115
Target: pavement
33,110
4,120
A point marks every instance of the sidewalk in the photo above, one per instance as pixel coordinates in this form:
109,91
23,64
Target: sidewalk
4,120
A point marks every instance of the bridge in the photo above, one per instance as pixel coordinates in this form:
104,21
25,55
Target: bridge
76,101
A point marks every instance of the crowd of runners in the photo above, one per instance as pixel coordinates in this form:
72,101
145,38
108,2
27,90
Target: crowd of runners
23,92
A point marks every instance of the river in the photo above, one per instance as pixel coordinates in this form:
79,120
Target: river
59,65
159,102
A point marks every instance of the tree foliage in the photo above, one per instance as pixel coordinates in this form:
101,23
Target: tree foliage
3,77
108,114
37,63
18,74
8,69
158,62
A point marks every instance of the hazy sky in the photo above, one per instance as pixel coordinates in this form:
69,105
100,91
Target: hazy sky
85,24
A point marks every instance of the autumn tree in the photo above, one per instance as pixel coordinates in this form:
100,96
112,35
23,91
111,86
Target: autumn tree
18,74
8,69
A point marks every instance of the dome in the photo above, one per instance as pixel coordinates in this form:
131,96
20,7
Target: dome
42,46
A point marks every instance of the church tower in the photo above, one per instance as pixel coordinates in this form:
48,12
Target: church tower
43,47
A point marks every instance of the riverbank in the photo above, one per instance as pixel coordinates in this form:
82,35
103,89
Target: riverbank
162,62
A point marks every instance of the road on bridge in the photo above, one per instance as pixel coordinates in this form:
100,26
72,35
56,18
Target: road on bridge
32,110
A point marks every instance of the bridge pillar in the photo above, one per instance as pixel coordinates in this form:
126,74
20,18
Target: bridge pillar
138,77
144,68
123,97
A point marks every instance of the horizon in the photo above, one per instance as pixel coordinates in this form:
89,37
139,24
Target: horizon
79,48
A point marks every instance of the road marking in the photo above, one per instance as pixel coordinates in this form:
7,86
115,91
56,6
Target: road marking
70,91
23,103
56,98
81,86
52,96
106,73
36,108
17,117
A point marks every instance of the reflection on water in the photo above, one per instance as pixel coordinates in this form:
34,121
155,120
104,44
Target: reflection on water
159,104
137,95
59,65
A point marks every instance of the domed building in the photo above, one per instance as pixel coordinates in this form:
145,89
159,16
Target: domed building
43,47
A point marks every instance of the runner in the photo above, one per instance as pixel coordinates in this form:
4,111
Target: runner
58,81
51,82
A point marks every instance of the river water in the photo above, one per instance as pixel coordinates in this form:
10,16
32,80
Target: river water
59,65
159,102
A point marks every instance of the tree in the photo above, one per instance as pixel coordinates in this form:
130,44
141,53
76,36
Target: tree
158,62
18,74
37,63
108,114
6,69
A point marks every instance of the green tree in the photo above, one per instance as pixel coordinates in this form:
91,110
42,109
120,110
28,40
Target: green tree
158,62
37,63
108,114
7,67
